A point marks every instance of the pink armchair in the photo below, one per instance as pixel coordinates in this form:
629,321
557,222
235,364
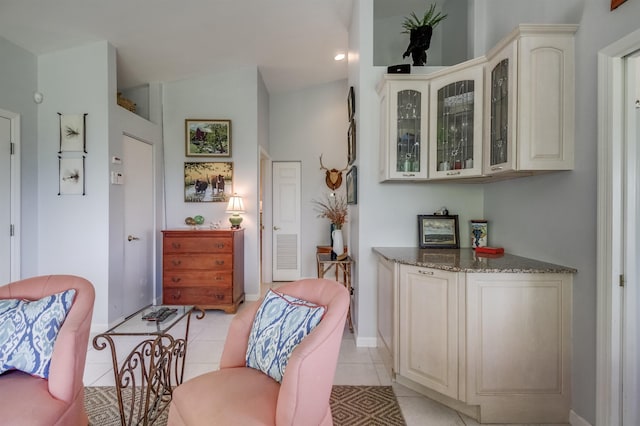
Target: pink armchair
59,400
236,394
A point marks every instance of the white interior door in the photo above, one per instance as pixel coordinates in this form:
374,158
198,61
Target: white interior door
138,224
286,220
10,196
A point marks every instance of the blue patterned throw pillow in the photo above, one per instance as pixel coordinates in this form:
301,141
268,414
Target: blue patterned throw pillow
282,321
28,331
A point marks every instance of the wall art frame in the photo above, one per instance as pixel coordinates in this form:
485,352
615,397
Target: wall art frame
351,103
208,181
71,179
352,185
207,137
73,136
351,142
438,231
616,3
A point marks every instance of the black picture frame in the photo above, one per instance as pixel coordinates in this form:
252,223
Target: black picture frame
351,103
352,185
438,231
351,143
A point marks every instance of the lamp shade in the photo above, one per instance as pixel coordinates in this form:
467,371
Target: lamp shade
235,204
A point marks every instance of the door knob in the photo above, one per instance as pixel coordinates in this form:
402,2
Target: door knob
276,228
132,238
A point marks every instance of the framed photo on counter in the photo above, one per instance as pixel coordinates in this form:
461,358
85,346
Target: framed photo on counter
438,231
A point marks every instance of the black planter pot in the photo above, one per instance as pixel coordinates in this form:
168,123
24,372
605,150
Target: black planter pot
419,42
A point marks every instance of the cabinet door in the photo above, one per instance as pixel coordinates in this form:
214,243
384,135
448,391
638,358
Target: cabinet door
500,110
406,156
455,142
428,329
386,312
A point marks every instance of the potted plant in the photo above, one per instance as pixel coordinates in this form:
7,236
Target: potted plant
334,209
420,31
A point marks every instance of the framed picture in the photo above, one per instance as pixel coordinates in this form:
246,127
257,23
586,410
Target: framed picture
438,231
208,182
351,142
71,176
72,133
351,103
616,3
352,185
208,138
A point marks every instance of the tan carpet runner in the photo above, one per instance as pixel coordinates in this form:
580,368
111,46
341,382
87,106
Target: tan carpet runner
350,406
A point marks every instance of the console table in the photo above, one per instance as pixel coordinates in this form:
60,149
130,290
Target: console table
325,263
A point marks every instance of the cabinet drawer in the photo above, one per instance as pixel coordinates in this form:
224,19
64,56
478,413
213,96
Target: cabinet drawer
196,295
197,245
197,278
220,262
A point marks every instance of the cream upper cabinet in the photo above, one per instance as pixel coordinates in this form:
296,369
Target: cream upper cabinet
456,123
428,328
530,101
403,129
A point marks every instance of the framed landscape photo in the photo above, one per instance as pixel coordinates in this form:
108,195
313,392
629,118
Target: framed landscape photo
352,185
208,138
351,142
208,182
438,231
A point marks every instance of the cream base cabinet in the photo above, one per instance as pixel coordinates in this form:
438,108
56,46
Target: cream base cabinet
530,101
428,328
518,329
387,321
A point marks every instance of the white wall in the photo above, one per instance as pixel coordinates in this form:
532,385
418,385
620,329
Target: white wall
74,229
226,95
305,124
18,71
387,212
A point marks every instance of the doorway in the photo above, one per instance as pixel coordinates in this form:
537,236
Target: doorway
138,224
10,194
618,357
286,220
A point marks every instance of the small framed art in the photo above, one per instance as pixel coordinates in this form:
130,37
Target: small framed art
351,103
438,231
72,133
351,142
208,138
352,185
208,182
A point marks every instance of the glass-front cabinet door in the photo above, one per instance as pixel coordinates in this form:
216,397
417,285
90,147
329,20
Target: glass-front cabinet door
455,140
405,150
500,129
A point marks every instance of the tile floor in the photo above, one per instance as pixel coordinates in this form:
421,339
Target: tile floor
356,366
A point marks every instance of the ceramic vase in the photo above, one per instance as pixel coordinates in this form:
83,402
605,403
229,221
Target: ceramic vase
338,243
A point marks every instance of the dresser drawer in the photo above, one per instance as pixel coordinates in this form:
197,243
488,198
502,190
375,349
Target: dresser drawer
196,295
197,245
219,262
197,278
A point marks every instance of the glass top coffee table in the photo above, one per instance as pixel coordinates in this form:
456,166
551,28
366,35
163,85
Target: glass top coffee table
146,377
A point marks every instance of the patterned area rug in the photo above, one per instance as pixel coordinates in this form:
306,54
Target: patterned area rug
350,406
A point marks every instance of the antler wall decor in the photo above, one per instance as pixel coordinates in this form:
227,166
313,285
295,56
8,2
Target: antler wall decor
333,177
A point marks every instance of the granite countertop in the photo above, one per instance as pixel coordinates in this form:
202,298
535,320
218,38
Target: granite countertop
466,260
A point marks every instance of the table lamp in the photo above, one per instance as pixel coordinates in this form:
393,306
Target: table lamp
235,207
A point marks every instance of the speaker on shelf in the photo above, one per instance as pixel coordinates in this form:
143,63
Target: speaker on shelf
399,69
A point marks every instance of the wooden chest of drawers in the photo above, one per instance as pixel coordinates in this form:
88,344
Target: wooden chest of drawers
203,268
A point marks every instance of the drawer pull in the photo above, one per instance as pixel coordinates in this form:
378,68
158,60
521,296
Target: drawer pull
453,173
176,279
176,295
219,262
425,272
496,168
176,245
220,245
219,296
219,278
176,262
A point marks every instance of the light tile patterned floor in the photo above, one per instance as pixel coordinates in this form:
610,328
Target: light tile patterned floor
356,366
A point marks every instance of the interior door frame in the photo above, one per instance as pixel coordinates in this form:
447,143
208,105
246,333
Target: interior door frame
15,184
610,231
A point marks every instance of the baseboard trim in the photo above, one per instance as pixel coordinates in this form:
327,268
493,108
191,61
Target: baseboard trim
576,420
